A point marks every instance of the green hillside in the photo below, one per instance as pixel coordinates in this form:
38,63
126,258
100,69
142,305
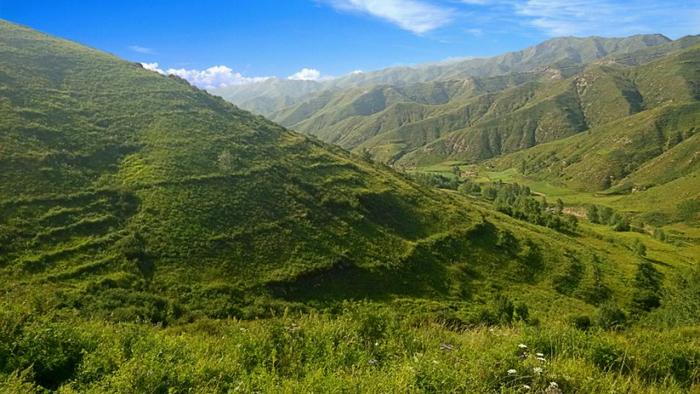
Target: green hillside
593,98
155,238
143,174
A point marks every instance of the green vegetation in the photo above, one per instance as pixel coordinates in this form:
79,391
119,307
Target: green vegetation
517,201
363,347
155,238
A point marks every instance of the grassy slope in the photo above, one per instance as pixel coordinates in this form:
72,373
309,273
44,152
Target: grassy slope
127,196
101,156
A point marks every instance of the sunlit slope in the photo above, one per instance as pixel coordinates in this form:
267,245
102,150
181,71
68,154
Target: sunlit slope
108,167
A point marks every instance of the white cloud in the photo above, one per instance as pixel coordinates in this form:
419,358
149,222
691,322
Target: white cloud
211,78
153,67
140,49
306,74
214,77
417,16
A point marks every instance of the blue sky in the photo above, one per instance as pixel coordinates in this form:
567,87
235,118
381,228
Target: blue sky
234,41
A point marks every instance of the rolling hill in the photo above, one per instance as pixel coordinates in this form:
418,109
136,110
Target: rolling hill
109,169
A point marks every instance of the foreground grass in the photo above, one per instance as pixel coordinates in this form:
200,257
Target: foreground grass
362,348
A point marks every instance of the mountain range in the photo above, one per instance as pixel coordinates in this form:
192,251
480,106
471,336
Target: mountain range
567,54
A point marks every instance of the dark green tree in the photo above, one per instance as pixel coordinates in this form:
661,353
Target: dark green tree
592,214
647,284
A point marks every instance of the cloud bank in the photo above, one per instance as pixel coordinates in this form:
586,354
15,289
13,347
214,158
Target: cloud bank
211,78
222,76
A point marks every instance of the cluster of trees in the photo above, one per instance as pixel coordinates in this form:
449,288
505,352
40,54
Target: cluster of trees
435,180
510,198
517,201
606,215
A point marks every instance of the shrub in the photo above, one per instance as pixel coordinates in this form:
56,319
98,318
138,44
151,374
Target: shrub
611,317
581,322
53,352
504,309
610,357
522,312
605,214
687,210
621,224
639,248
592,214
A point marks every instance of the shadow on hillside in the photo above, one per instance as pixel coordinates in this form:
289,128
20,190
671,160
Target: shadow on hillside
425,272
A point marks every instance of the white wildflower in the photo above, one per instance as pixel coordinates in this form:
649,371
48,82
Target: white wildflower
541,359
537,370
522,346
527,387
539,354
512,372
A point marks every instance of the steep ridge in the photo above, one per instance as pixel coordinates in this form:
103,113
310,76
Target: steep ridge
593,98
480,117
